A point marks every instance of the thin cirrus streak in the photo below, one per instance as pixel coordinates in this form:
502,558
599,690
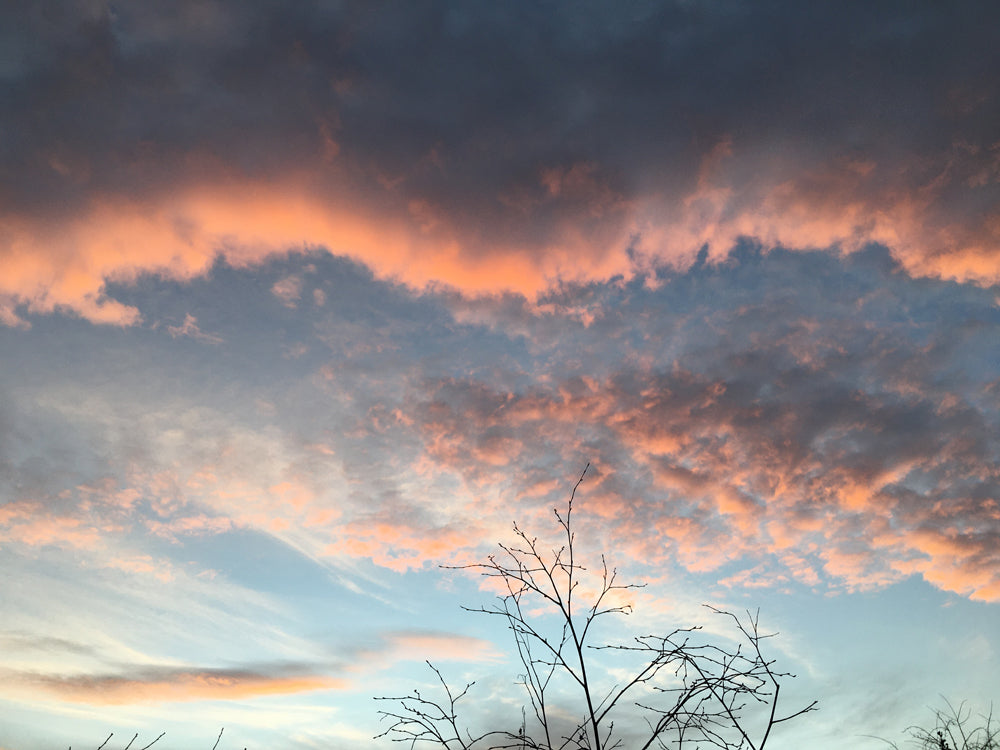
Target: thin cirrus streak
168,685
180,684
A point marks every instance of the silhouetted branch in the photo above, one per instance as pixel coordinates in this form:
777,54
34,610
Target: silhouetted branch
953,730
153,742
687,691
162,734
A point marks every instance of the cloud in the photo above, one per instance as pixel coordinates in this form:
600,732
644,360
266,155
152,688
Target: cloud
401,546
15,641
790,411
189,525
190,328
170,684
288,290
426,645
29,523
828,472
182,237
152,141
829,416
842,204
143,565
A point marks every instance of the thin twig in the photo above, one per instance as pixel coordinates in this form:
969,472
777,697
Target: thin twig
153,742
689,692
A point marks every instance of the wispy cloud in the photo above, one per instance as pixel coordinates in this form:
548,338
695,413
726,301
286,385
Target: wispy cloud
288,290
428,645
170,684
190,328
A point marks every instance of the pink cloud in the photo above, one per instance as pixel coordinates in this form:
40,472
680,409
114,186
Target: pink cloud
193,525
288,290
842,202
760,576
190,328
65,262
967,563
143,565
398,545
819,491
30,524
433,646
168,686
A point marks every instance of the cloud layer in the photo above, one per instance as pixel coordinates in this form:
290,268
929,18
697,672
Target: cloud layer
488,149
834,419
169,685
300,301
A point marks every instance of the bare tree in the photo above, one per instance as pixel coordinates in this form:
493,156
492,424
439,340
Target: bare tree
686,693
146,747
955,729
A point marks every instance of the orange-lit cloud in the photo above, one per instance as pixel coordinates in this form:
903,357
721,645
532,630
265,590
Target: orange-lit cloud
190,328
400,545
581,171
67,262
794,484
29,523
170,685
803,408
189,524
966,563
842,203
434,646
143,565
363,288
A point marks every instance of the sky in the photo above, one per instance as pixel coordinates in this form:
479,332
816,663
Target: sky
301,301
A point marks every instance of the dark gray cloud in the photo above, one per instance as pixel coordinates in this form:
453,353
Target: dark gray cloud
512,120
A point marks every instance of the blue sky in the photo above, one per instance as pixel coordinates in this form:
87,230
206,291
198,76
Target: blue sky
299,303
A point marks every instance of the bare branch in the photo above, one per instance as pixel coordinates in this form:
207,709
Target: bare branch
953,730
687,691
153,742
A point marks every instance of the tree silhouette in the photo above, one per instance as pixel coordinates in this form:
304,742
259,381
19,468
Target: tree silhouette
955,729
146,747
686,693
